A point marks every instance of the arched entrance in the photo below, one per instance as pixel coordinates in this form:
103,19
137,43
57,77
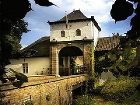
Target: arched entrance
63,53
70,60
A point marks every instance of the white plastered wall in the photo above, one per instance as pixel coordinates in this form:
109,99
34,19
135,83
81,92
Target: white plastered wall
96,35
37,65
70,32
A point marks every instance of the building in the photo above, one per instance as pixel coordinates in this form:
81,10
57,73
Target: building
72,39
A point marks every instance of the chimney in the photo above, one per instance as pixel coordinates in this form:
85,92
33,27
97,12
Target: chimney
92,17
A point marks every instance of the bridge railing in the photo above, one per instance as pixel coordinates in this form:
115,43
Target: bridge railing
65,71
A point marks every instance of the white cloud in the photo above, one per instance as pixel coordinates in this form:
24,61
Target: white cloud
100,9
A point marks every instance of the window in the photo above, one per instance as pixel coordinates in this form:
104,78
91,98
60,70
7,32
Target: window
78,32
25,67
62,33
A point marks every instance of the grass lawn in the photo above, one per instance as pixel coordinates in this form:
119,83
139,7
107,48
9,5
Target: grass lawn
121,91
98,100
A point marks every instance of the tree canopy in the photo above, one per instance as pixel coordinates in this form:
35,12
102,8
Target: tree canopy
12,25
121,10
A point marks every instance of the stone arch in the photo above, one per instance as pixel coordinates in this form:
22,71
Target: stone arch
70,50
67,55
63,45
57,47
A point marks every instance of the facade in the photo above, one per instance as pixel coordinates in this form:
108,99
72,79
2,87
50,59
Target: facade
31,66
72,39
73,33
74,26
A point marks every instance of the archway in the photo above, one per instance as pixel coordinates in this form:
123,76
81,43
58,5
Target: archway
70,60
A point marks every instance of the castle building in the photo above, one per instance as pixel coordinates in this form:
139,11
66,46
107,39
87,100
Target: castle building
68,50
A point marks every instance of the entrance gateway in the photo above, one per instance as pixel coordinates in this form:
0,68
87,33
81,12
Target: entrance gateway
72,41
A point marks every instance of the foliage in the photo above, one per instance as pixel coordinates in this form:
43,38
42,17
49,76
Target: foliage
43,2
9,43
92,64
28,102
102,62
12,28
89,61
133,99
120,88
73,65
121,9
125,7
12,12
97,100
84,100
123,60
92,100
116,60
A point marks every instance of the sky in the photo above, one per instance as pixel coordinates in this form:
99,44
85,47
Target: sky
37,18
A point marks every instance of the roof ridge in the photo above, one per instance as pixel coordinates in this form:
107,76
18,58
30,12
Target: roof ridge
74,15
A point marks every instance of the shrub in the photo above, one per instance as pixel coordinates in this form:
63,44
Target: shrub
120,89
28,102
83,100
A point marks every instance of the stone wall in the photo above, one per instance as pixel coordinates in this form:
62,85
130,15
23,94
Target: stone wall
51,91
85,46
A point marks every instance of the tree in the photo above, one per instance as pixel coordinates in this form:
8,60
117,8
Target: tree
122,9
11,14
10,43
118,60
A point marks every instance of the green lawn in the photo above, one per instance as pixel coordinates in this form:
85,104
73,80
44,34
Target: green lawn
121,91
98,100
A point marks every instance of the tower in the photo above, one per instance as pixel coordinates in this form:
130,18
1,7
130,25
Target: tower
73,35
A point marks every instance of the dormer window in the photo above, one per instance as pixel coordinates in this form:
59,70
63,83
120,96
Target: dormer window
62,33
78,32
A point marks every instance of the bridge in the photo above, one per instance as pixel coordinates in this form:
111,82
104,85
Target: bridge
42,90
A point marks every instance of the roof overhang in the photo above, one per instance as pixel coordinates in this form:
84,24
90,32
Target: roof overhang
78,20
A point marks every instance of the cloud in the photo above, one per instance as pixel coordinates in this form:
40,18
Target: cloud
37,19
40,15
100,9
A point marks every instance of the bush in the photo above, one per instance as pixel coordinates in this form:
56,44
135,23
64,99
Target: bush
83,100
120,89
28,102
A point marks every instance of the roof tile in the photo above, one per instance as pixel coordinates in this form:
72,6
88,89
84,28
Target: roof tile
107,43
76,14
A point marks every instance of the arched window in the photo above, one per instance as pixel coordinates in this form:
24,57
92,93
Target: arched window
62,33
78,32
